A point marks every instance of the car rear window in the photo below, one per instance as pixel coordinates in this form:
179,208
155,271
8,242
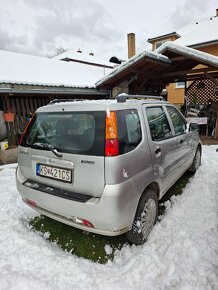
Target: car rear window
69,132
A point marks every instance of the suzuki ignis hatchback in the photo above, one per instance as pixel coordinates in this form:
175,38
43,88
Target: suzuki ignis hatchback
101,166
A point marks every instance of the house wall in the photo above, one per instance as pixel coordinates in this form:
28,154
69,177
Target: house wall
212,49
175,95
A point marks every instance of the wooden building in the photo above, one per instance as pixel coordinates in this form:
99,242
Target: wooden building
28,82
150,72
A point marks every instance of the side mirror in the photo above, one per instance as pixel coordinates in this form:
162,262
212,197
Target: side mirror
193,127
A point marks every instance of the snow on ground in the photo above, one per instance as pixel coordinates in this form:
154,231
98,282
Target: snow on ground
181,252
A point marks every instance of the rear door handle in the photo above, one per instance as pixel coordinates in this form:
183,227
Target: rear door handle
157,151
181,141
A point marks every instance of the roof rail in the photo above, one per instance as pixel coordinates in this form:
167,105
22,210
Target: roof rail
121,98
64,100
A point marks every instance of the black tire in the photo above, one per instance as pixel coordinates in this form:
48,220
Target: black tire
142,223
196,161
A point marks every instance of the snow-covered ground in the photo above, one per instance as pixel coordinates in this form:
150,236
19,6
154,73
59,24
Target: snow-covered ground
181,252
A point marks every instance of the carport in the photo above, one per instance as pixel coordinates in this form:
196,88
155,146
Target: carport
150,72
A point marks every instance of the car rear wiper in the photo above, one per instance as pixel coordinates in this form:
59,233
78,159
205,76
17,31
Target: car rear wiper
47,146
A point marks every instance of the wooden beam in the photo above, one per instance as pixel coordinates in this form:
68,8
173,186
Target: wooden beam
177,58
192,71
201,76
174,78
157,61
138,87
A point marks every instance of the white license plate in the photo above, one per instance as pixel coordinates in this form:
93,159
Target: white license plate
54,172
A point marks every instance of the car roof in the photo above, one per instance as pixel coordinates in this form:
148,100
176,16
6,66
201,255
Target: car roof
122,101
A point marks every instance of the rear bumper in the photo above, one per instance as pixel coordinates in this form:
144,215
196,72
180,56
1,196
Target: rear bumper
112,214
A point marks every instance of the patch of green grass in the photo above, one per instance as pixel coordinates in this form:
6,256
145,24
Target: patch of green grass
88,245
78,242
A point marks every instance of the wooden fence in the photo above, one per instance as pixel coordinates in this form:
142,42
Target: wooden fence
23,107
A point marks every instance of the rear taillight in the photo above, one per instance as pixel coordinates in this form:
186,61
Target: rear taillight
83,221
30,202
111,142
87,223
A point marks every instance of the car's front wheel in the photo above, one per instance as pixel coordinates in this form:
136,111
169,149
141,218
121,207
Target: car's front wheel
145,218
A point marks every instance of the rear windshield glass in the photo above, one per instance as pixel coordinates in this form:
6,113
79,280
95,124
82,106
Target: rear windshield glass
70,132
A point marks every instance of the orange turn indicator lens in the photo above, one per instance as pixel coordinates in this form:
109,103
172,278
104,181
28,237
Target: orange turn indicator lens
111,143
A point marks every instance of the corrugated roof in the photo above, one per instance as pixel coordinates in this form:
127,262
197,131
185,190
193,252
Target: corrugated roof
17,68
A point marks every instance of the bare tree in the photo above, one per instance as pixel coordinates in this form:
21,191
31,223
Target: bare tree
58,51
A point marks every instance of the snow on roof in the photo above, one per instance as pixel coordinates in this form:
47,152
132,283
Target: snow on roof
202,57
189,52
163,36
84,56
199,32
17,68
132,61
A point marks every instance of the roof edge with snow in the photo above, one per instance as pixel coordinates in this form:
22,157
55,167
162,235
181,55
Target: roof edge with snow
158,55
29,70
133,60
163,36
189,52
202,44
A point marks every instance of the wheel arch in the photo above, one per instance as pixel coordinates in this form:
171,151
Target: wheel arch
200,147
155,187
135,234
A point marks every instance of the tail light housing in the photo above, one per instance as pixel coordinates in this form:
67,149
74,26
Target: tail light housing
111,135
87,223
30,202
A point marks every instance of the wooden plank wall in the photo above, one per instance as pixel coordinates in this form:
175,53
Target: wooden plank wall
24,108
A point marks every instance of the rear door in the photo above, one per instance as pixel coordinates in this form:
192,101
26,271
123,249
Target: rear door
182,135
65,150
163,145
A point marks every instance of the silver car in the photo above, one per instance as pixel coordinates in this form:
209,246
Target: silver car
102,165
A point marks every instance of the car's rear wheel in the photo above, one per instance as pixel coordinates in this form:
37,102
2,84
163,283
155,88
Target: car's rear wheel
196,161
145,218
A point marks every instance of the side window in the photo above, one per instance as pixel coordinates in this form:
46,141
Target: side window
129,130
178,123
180,85
158,123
